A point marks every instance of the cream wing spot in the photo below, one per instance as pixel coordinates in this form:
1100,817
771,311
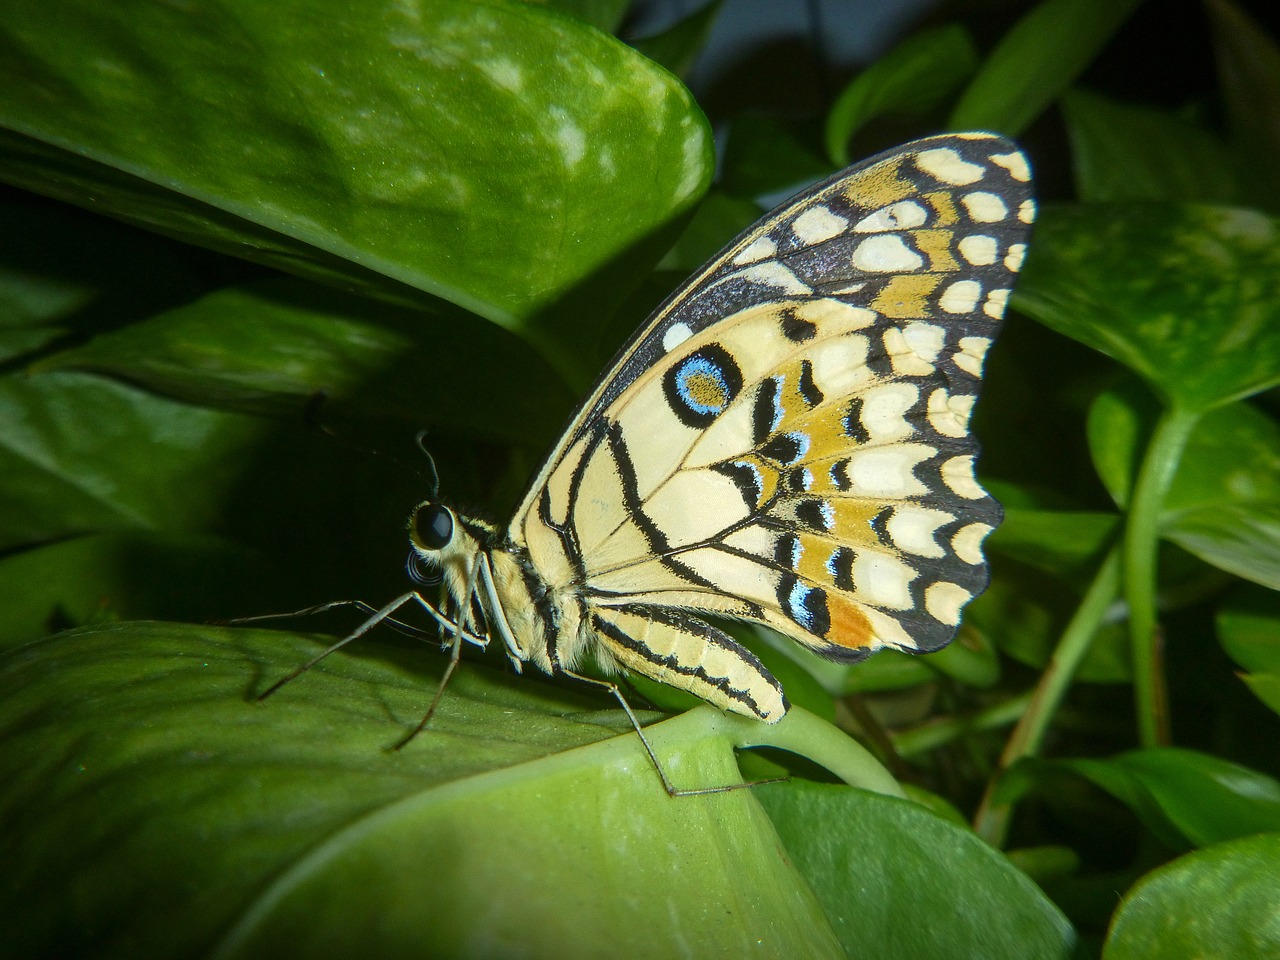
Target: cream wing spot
887,471
883,580
906,362
886,253
944,601
1015,163
996,302
961,296
818,224
883,412
1027,211
914,529
967,542
957,474
774,274
984,207
949,414
762,248
1013,259
903,215
979,250
924,339
973,350
948,166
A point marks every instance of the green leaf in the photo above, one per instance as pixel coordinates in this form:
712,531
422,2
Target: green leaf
1125,152
604,15
1036,61
1056,541
1219,902
677,47
266,347
1200,798
1248,62
917,75
1224,503
1187,296
80,453
492,155
767,158
525,817
874,862
1249,628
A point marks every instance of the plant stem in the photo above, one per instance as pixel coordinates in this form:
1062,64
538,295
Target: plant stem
992,820
1141,540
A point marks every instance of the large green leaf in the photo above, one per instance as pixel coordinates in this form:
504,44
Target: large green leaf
527,817
1187,296
1036,61
1219,902
268,346
490,154
870,859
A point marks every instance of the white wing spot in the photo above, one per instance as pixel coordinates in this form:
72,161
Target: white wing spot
886,254
961,297
957,474
948,166
997,300
676,334
818,224
972,352
759,249
984,207
774,274
1013,259
903,215
1027,212
979,250
1015,163
944,600
967,542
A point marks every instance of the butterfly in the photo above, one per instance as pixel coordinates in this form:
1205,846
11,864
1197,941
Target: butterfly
784,442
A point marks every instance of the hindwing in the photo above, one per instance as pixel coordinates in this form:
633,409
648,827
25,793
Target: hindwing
787,439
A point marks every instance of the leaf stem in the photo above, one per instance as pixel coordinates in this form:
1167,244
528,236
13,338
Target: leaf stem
1141,540
991,822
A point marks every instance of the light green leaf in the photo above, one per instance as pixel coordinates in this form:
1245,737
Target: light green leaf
492,155
1187,296
874,861
1219,902
526,817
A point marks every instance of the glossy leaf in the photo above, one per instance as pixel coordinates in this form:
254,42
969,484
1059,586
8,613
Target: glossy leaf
1224,503
377,145
873,861
917,75
1055,541
1219,902
1186,296
267,347
1124,152
135,771
1202,799
1036,61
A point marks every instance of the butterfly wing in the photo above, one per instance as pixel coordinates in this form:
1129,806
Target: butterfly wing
786,440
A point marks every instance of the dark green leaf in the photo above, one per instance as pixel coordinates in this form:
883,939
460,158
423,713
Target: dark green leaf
874,861
914,77
1249,628
1204,799
81,454
1036,61
1248,61
493,155
134,771
767,159
605,15
1219,902
1187,296
1055,541
1126,152
267,347
677,47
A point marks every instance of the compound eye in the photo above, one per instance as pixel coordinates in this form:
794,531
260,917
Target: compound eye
432,526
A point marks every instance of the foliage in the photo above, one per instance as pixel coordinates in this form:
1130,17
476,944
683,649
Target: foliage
448,214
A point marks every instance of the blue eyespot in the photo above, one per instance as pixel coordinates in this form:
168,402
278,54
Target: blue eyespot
702,385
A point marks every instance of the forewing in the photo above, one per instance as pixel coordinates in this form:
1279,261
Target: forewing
787,439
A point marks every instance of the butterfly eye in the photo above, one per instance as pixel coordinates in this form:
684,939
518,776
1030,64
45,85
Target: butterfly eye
432,526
